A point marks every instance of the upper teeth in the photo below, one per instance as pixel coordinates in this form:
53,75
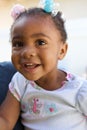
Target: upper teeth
29,64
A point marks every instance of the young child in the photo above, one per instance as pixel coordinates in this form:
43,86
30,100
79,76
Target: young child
49,98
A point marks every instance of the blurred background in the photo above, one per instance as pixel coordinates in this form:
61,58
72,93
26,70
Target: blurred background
75,14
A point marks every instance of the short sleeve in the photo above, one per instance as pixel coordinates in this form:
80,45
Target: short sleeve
17,86
82,98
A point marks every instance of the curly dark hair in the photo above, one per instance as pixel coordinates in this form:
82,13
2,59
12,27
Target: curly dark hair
57,20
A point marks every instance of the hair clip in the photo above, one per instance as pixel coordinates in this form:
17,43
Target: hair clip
16,10
49,6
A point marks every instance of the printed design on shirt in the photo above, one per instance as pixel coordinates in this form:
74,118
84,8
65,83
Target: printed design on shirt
42,108
69,77
50,108
35,106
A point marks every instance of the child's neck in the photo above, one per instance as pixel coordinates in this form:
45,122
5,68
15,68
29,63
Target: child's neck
53,82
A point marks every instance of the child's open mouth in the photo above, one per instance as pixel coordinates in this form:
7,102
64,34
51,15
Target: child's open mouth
30,67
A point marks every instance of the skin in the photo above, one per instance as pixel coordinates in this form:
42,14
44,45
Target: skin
33,44
36,49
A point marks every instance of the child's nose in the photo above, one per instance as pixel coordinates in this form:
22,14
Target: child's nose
28,52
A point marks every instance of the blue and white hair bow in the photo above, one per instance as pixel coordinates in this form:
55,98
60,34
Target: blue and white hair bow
49,6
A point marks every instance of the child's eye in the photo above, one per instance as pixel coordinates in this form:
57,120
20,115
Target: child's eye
40,42
17,44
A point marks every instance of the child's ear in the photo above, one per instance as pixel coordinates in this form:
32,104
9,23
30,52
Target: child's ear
63,51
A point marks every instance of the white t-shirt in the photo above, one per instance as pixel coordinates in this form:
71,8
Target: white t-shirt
61,109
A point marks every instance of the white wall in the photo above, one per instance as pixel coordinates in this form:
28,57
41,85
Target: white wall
76,59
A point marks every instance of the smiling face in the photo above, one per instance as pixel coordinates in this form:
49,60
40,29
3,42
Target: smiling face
36,47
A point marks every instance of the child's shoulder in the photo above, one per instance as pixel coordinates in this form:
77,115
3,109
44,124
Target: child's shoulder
77,80
18,76
74,79
19,79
